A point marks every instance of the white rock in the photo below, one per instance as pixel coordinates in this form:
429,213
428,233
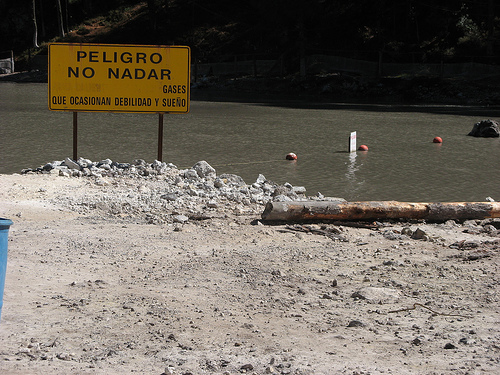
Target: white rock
180,219
71,164
204,170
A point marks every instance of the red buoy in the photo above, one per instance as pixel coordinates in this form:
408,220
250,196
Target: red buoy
363,148
291,156
437,140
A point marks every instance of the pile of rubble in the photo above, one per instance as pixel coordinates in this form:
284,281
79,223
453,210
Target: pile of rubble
159,192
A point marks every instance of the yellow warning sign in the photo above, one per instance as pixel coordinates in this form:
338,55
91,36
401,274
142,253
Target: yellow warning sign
119,78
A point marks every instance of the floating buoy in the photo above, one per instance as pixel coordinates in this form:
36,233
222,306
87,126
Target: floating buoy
363,148
291,156
437,140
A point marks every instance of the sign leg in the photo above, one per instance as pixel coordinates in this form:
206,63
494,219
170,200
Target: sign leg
75,136
160,136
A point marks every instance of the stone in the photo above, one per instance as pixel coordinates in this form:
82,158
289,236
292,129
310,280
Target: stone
48,167
490,229
121,165
180,219
158,164
356,323
485,129
219,183
71,164
63,356
85,163
419,234
377,295
279,273
190,174
267,188
193,192
285,190
299,189
102,182
464,245
104,161
261,179
416,341
204,170
407,231
171,197
64,173
212,204
232,179
247,367
467,341
282,198
391,235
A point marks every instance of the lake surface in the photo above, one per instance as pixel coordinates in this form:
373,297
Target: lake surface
249,139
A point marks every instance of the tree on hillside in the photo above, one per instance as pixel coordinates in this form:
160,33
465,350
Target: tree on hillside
405,30
60,22
35,27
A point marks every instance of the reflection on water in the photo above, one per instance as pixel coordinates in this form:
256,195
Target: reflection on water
354,186
251,138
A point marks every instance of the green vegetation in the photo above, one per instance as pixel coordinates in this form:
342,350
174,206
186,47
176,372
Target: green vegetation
217,30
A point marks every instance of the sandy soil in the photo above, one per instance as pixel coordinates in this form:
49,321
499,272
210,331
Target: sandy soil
95,292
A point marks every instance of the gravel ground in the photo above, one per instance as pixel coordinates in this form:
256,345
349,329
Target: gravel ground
144,268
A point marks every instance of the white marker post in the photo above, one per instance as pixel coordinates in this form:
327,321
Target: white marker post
352,142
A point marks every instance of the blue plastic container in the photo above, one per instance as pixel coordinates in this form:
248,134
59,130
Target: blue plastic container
4,232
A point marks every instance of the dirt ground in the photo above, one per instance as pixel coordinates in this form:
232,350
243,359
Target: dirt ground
91,292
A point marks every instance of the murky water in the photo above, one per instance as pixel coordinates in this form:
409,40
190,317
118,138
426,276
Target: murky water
251,138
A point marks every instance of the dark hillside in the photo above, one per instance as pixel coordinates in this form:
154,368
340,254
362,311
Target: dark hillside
405,30
127,27
285,32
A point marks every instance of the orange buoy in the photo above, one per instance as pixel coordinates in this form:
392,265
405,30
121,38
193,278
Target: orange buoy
363,148
291,156
437,140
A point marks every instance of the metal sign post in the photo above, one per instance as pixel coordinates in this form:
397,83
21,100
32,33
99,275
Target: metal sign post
160,136
75,136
